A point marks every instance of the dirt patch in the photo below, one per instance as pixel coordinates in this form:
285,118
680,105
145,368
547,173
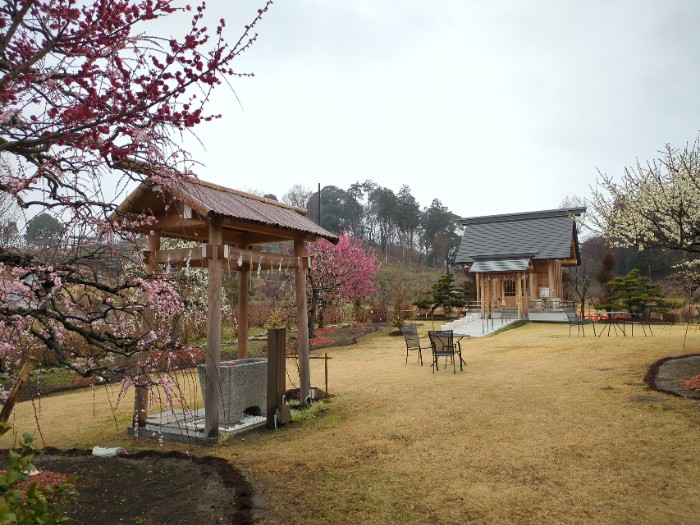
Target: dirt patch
339,335
668,375
152,488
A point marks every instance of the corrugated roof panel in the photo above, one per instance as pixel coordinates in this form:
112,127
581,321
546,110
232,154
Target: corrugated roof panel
237,205
500,266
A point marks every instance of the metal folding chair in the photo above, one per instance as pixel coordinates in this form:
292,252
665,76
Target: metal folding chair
579,323
410,335
443,345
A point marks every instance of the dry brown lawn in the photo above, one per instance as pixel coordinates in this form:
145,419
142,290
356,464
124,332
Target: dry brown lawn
539,428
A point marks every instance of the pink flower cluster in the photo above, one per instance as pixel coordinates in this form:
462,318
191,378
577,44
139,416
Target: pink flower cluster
345,269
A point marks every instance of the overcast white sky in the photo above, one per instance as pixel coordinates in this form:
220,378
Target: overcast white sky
490,106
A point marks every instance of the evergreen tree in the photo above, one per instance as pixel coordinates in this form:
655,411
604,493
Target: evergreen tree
338,209
440,236
633,291
443,294
407,221
43,231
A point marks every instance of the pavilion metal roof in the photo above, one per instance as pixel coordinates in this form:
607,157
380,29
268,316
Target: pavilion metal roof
548,234
184,207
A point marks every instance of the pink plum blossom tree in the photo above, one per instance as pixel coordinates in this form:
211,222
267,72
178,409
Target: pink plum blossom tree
93,97
339,273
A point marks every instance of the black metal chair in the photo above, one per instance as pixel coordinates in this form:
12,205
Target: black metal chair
410,335
642,318
443,345
579,323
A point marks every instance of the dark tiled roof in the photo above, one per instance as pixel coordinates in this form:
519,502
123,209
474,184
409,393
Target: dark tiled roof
544,234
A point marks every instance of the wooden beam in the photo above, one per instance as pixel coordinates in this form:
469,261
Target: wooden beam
213,356
176,256
230,256
197,230
236,237
275,233
234,232
178,222
264,260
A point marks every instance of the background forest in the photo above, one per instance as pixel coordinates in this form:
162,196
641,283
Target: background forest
413,243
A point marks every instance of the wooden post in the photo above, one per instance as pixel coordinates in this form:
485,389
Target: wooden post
498,289
477,285
480,293
487,297
550,276
519,293
484,296
276,345
302,324
213,358
243,287
141,385
480,297
560,280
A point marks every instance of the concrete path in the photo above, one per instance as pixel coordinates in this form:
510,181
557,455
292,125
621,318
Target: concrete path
472,326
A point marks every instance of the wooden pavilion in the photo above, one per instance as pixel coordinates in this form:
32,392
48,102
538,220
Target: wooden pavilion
227,223
517,259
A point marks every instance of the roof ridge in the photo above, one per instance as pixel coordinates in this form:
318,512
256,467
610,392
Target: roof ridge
505,256
530,215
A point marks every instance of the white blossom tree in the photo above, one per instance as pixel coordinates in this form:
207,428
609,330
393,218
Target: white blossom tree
656,204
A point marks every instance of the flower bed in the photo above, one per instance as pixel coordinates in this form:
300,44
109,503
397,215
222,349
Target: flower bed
693,383
43,479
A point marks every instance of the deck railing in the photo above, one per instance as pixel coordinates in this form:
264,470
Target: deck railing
537,304
550,304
